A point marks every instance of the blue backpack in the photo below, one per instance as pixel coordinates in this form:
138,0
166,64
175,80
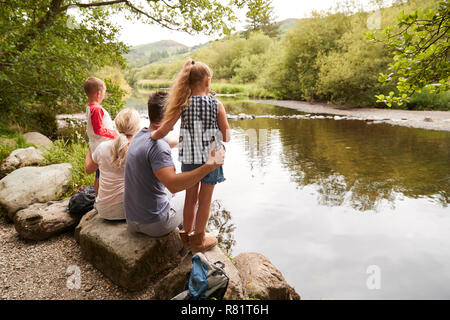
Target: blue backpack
206,280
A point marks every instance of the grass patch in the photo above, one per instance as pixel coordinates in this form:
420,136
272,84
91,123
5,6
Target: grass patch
429,101
68,149
71,150
6,148
154,84
241,89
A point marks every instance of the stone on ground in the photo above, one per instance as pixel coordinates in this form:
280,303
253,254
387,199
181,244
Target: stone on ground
261,280
131,260
29,185
44,220
21,158
38,139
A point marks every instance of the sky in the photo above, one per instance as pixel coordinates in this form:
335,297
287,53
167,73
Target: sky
134,33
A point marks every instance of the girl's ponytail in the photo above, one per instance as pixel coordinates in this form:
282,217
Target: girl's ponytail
119,150
189,77
180,92
128,123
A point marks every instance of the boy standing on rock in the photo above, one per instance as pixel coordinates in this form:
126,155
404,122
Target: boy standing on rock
100,126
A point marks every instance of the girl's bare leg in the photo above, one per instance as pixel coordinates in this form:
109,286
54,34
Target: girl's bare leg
189,208
204,204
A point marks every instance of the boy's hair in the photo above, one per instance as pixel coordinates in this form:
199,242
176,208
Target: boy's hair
93,85
157,106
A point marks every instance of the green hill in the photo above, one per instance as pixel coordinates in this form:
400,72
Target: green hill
288,24
168,50
151,52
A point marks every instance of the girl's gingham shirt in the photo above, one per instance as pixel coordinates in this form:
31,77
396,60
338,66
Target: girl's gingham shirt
199,128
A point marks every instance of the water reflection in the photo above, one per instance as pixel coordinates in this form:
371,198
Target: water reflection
220,221
296,194
353,163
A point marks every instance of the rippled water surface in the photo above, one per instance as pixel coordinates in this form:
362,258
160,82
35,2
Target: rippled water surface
336,203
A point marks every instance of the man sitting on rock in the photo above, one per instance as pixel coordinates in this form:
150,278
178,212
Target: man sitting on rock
152,199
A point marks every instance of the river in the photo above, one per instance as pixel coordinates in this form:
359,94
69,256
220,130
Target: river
345,209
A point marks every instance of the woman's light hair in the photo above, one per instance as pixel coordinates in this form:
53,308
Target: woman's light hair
128,123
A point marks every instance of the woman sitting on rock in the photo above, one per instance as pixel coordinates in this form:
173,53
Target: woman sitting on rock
110,157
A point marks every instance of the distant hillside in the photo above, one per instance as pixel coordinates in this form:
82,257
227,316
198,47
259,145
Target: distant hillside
166,51
148,53
288,24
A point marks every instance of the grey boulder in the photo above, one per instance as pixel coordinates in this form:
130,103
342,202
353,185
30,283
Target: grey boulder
21,158
29,185
261,280
43,220
38,139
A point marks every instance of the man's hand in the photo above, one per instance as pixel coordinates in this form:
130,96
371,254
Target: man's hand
216,158
185,180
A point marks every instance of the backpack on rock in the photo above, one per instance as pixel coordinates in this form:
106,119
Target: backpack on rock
206,280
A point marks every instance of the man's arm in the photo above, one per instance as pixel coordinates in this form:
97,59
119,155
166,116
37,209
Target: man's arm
182,181
165,128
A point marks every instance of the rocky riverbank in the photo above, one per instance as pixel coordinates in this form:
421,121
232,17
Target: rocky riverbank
47,252
432,120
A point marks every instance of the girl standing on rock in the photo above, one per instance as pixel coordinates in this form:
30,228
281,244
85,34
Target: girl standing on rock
204,125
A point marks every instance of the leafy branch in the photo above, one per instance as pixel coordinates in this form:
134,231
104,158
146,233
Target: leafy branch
420,52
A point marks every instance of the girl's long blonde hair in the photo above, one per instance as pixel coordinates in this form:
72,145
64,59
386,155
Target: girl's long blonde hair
128,123
191,75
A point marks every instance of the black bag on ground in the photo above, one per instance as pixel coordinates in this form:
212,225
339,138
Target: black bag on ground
83,201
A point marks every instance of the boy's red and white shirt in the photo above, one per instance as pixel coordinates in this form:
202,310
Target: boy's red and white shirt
100,126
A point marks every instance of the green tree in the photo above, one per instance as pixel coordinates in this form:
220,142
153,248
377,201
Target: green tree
293,72
349,74
260,17
45,56
419,44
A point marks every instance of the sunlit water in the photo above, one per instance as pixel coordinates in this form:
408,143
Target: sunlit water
333,204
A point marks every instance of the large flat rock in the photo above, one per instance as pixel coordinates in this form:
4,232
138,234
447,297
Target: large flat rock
173,283
29,185
131,260
41,221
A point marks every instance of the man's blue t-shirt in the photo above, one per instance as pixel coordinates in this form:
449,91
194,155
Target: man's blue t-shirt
145,199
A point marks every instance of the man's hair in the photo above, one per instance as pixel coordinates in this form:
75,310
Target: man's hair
157,106
93,85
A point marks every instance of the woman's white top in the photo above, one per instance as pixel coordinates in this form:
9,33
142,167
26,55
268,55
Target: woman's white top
109,202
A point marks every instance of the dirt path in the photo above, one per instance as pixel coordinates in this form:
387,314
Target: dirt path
38,270
433,120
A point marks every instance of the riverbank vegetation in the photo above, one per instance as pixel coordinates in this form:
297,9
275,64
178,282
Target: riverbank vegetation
334,56
71,150
326,58
49,47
